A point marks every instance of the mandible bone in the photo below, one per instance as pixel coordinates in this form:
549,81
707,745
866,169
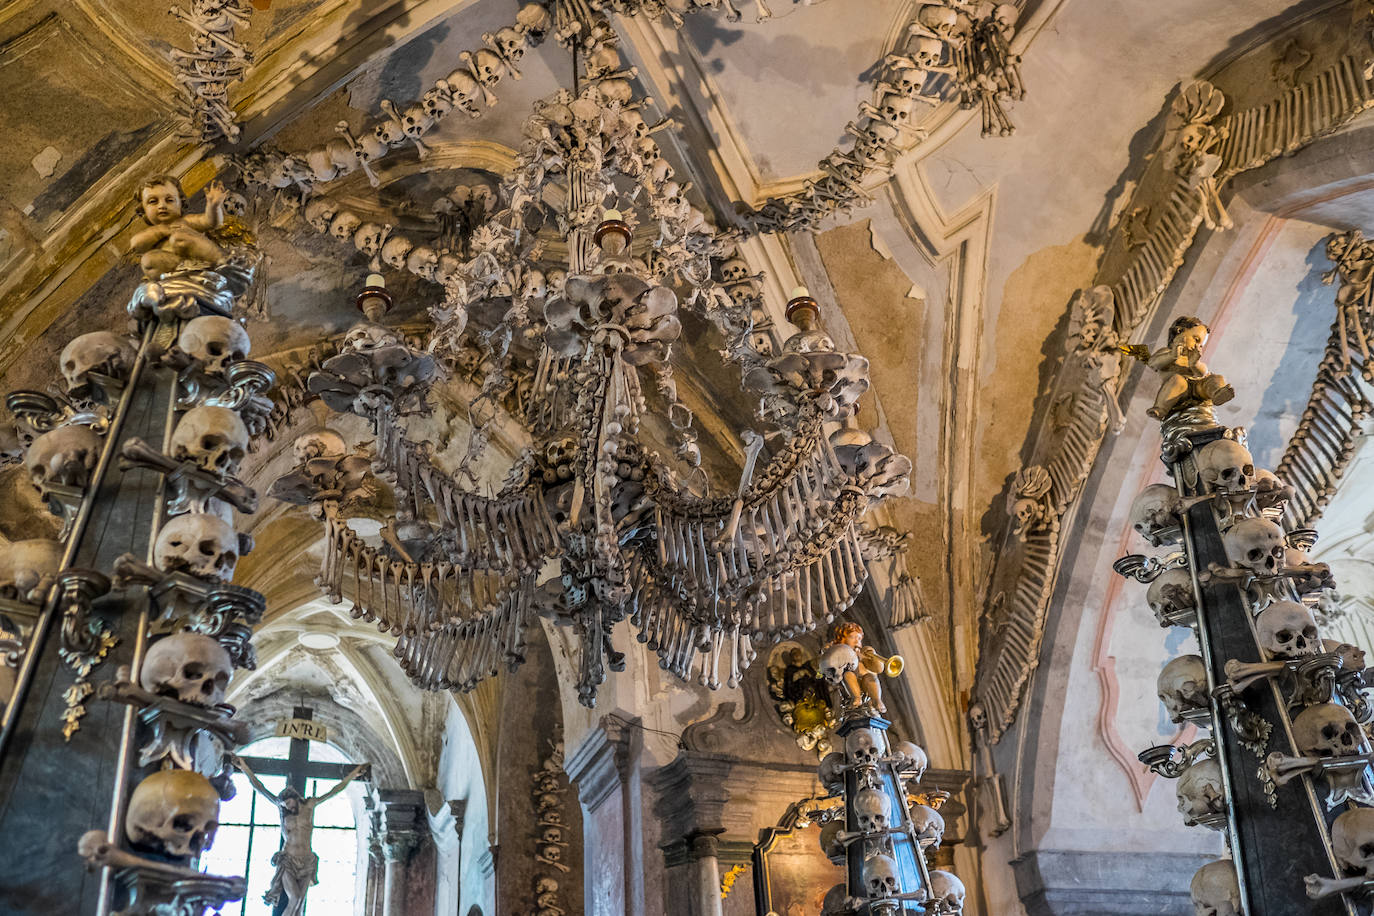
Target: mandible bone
192,667
214,438
173,812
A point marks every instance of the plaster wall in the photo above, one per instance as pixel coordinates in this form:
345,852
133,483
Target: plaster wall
461,778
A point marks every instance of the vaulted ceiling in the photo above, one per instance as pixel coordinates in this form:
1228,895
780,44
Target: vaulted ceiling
954,281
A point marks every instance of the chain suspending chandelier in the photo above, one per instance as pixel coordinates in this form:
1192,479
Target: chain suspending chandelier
588,254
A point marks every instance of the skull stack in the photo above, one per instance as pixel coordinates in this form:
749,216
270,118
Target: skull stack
880,833
1284,762
115,737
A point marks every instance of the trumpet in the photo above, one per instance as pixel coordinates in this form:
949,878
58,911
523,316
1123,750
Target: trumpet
890,666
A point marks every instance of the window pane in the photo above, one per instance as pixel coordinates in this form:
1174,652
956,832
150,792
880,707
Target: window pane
266,841
338,852
229,853
337,812
236,810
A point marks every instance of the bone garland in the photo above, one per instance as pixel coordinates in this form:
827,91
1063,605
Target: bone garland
467,89
217,59
978,68
1067,442
1324,442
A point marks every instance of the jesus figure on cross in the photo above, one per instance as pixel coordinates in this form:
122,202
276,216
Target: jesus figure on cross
296,863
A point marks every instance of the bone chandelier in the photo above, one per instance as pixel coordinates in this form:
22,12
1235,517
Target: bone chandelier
592,524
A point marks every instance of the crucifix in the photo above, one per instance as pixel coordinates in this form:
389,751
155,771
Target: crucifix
296,863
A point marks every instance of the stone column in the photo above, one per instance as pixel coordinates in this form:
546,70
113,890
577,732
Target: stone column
404,826
691,792
608,788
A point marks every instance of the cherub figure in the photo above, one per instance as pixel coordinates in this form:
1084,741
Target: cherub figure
173,237
860,681
1186,379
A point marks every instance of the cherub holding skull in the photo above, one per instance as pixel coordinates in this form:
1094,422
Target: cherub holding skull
172,237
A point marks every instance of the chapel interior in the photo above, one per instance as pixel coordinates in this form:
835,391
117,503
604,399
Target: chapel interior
686,457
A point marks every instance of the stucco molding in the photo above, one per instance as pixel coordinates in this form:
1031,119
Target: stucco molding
1139,265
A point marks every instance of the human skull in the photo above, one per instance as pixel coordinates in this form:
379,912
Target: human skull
909,80
235,205
946,892
212,437
1352,657
511,44
437,101
449,269
1270,491
1155,512
1006,15
1327,730
1182,686
396,250
1287,630
734,270
368,239
63,457
897,108
101,352
926,52
1200,792
1352,840
322,444
345,159
423,262
913,761
939,19
174,813
1225,466
417,121
200,544
1170,593
28,569
533,20
880,877
319,213
870,810
192,667
552,835
861,747
830,840
1215,889
835,661
929,825
1255,544
488,67
344,224
1193,137
214,340
389,131
320,164
831,771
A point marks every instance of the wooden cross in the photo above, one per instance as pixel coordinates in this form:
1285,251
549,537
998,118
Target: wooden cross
297,768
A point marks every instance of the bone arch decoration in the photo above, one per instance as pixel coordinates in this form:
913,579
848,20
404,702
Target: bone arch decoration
1177,193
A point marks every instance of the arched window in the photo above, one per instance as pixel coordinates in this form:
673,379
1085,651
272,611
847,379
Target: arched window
249,833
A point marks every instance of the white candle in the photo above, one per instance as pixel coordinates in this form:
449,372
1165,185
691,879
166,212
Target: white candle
612,215
375,280
801,292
